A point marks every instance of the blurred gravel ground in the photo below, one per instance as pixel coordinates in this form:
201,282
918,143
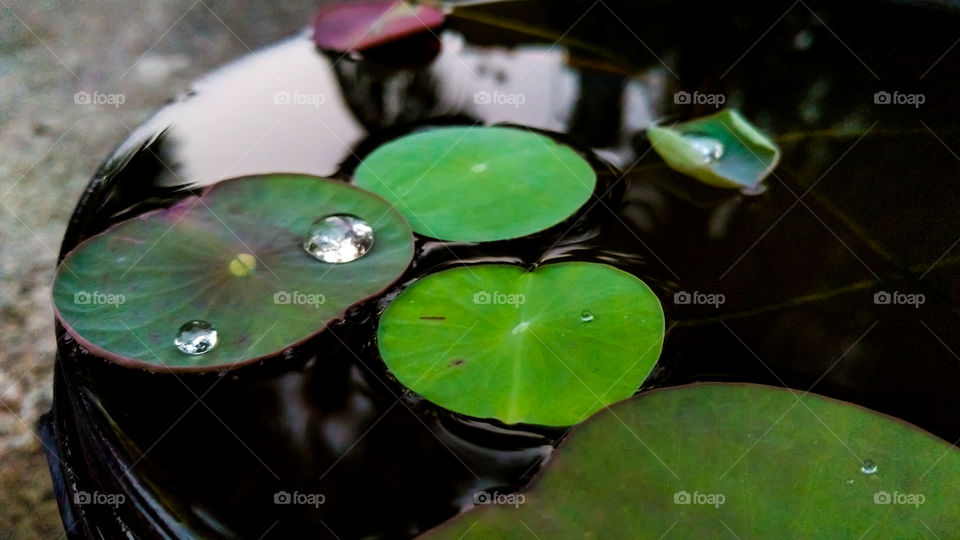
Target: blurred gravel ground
146,51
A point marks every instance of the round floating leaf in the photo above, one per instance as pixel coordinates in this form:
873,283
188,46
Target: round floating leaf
723,150
232,258
754,461
477,184
357,26
545,347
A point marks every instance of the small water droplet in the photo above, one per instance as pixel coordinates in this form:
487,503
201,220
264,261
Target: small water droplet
868,467
196,337
479,168
710,148
850,481
521,328
586,315
339,238
802,40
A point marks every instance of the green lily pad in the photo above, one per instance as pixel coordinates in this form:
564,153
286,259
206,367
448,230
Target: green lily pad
233,258
739,460
475,184
547,347
723,150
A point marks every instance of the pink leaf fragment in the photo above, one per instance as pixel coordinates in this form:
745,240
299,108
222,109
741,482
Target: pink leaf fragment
357,26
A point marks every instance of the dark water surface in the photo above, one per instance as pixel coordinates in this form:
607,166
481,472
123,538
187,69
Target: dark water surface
863,204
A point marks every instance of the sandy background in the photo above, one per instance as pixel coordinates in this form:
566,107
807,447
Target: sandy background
146,51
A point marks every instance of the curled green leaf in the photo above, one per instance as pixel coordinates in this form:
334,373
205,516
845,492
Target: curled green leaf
722,150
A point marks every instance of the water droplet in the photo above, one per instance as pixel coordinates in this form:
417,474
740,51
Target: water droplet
196,337
802,40
339,238
521,328
479,168
868,467
710,148
586,315
850,481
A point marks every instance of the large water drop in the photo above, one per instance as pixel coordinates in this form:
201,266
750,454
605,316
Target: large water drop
196,337
339,238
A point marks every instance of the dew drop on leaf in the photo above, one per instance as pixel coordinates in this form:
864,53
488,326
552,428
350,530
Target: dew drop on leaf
196,337
339,238
711,149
